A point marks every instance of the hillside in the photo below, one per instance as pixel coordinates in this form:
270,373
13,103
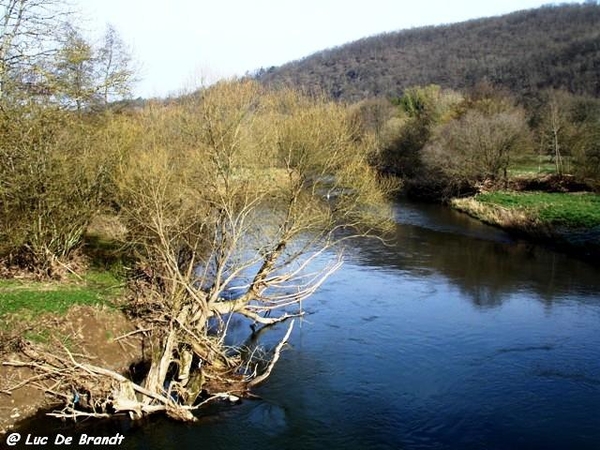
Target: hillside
552,46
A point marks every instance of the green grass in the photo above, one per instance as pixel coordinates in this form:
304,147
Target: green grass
100,285
581,210
30,298
531,164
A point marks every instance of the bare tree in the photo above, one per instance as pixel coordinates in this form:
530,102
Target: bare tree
234,199
557,127
43,56
115,73
83,75
27,38
73,78
478,146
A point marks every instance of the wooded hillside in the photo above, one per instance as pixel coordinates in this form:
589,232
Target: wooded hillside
549,47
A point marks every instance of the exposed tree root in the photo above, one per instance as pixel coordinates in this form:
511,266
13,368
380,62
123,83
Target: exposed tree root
87,390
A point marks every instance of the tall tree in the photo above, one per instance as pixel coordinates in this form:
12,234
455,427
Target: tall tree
74,76
115,73
555,128
27,39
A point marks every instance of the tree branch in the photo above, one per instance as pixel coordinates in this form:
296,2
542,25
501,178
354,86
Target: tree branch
277,352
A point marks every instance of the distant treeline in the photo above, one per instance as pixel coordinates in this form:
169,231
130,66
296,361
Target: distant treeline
555,47
445,143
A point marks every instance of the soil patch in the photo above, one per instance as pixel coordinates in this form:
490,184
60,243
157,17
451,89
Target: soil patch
87,330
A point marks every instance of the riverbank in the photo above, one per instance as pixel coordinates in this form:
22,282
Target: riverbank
569,222
80,313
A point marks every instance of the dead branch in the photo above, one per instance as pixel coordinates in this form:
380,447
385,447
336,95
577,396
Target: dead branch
268,320
29,380
131,333
74,414
276,353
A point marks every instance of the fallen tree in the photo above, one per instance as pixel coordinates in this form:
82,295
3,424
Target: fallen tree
233,198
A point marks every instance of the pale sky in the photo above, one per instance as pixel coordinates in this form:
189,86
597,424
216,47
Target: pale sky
180,44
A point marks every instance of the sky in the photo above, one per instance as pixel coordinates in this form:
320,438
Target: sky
180,45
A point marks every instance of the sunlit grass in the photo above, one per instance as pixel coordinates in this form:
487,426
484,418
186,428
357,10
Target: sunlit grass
581,210
29,298
531,164
101,284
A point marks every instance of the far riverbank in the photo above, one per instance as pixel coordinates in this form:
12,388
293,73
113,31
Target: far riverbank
569,222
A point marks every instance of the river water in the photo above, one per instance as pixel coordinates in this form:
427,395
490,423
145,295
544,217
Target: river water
451,336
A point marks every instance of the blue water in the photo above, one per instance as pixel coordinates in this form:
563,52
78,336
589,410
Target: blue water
451,336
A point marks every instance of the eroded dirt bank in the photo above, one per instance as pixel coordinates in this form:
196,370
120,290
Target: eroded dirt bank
92,332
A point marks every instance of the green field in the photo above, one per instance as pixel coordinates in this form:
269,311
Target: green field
531,164
577,211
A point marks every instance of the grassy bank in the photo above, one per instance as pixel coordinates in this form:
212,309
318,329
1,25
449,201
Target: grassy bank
574,211
80,313
569,221
31,297
32,303
30,308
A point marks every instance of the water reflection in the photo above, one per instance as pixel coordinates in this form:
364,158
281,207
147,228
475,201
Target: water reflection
486,264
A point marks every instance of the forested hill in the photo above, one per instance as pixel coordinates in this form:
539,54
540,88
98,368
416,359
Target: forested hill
552,46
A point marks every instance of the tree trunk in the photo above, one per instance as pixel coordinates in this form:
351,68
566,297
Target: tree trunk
156,378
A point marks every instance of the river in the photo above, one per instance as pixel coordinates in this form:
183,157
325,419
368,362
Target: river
451,336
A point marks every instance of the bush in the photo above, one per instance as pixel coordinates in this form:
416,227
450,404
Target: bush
52,179
478,146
